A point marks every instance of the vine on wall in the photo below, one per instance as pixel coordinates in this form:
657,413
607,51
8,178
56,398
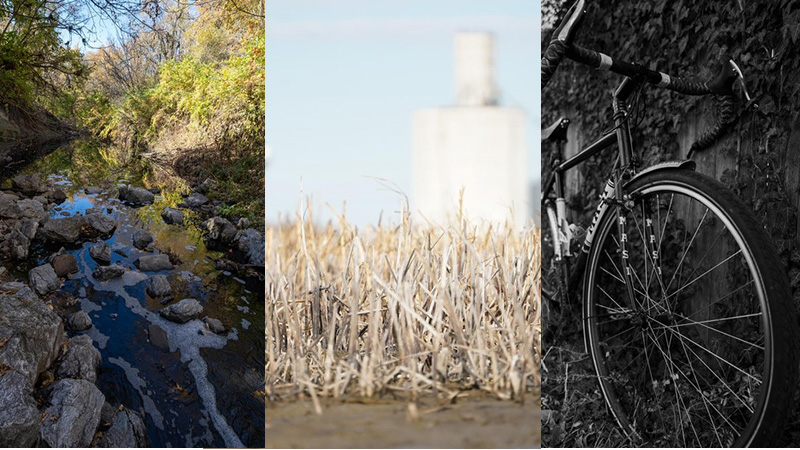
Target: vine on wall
689,39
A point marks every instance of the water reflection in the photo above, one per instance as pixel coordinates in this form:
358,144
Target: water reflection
193,387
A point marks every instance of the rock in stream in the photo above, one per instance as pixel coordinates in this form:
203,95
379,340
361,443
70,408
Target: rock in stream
80,361
183,311
136,196
73,414
127,431
19,418
154,263
43,279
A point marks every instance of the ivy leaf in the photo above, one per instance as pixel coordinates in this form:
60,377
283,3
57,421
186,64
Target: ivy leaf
793,26
767,105
682,44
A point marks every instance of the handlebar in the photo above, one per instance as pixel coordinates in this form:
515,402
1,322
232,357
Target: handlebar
721,84
561,41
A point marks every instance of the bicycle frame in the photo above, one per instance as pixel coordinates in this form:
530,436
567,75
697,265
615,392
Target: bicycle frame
613,195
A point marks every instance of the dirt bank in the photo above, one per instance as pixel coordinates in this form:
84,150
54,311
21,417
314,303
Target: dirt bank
475,421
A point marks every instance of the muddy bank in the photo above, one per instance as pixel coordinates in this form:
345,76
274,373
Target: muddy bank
144,312
29,134
474,421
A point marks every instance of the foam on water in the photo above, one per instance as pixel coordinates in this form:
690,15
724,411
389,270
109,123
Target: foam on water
186,338
132,374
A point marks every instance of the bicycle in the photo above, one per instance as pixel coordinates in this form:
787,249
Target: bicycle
686,310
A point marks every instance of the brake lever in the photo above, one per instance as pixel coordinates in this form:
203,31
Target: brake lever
751,101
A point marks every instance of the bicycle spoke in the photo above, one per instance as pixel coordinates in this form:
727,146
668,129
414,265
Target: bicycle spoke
654,383
704,274
715,330
727,386
720,299
674,379
713,354
710,247
703,396
686,250
684,311
694,375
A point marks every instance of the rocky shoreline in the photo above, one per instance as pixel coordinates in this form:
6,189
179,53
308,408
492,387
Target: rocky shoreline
48,392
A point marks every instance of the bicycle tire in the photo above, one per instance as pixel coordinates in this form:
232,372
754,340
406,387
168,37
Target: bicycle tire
751,389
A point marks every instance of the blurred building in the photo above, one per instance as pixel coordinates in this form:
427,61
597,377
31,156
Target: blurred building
475,145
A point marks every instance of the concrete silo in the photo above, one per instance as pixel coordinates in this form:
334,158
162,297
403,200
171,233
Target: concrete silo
475,145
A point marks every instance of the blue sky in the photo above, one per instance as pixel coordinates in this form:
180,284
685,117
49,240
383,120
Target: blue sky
344,77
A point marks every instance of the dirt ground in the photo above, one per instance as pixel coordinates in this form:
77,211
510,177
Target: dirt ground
472,422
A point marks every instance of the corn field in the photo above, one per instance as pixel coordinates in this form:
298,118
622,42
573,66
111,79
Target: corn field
402,308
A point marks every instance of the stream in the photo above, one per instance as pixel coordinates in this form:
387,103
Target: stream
193,388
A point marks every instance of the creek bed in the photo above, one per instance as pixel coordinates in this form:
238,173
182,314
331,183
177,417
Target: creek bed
192,387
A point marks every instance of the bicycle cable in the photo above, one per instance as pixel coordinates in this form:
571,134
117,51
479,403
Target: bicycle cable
634,110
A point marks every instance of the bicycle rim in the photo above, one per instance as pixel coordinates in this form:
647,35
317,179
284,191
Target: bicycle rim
687,362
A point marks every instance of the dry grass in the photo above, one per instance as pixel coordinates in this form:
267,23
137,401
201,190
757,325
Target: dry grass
405,308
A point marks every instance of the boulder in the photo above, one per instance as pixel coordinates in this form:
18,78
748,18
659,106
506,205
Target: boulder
136,196
79,321
195,200
65,264
20,237
206,186
158,337
29,184
91,190
34,334
43,279
127,431
101,253
154,263
27,294
31,209
159,286
105,273
243,223
81,360
73,414
226,265
107,414
251,244
9,209
220,232
11,287
183,311
214,325
19,418
57,196
62,230
172,216
28,228
141,239
99,224
19,241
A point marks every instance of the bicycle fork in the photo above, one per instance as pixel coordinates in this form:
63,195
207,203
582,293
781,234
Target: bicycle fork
563,232
651,254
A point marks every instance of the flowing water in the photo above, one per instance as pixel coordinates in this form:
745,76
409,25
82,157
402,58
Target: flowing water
193,387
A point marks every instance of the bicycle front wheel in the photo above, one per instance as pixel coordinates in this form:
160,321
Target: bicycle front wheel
688,317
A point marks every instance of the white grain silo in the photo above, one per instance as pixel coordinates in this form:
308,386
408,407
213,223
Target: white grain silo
475,145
